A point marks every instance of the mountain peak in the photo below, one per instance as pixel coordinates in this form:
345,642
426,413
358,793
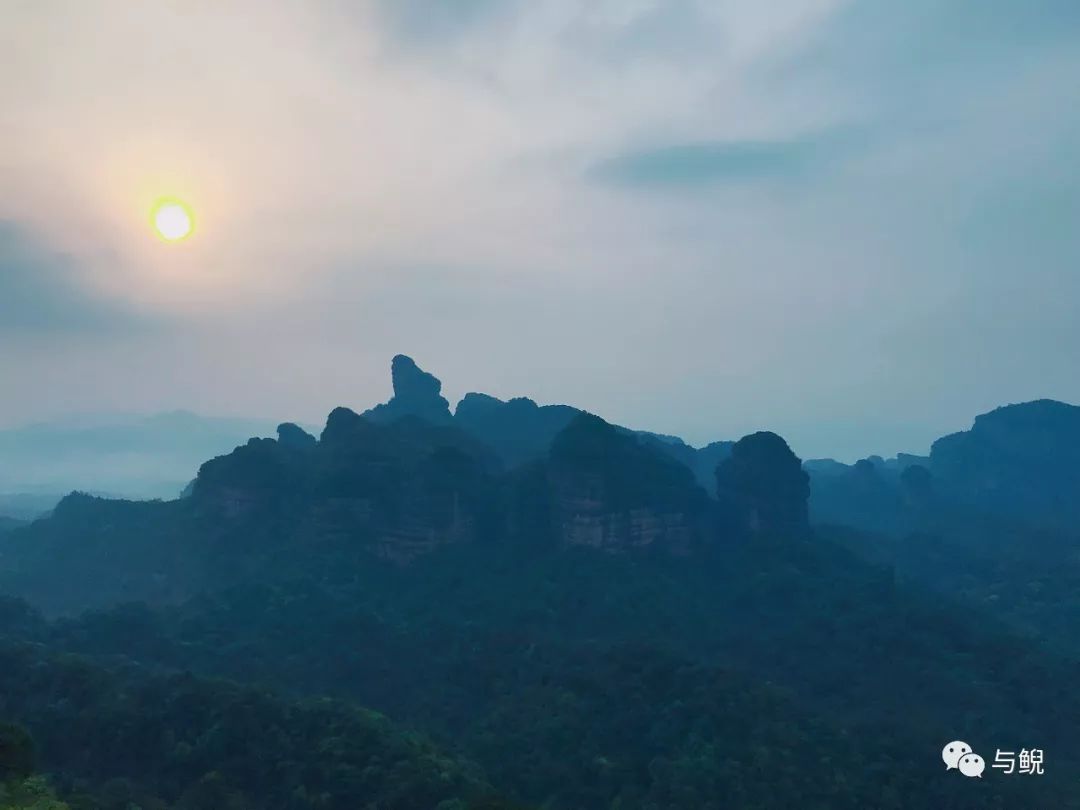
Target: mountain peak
416,393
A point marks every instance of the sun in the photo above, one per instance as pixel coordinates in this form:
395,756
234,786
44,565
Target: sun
172,219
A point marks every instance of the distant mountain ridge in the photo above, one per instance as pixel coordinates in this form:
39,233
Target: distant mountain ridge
1019,461
134,456
397,486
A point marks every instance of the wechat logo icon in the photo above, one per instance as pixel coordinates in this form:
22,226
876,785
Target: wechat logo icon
958,755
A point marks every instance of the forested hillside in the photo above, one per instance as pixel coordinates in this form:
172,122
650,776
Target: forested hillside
395,614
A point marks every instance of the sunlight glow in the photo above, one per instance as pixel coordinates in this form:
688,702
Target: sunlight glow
172,220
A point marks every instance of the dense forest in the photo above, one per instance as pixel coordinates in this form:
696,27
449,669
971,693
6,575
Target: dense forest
516,606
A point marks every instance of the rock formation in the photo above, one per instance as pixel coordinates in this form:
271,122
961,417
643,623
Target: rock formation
518,430
294,436
610,491
416,393
1020,460
763,487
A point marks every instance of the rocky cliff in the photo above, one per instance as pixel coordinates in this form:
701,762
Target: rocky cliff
1021,460
764,488
400,489
416,393
610,490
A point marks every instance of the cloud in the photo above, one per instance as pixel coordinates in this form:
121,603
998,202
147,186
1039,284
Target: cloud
925,36
705,164
40,292
428,21
700,217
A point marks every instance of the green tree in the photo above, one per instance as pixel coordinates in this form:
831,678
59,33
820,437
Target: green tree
16,753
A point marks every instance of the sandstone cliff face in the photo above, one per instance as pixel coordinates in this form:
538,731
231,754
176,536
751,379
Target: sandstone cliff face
422,528
259,476
764,488
1019,460
611,492
589,525
419,525
399,490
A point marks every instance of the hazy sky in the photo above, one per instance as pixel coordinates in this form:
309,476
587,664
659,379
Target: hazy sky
854,223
